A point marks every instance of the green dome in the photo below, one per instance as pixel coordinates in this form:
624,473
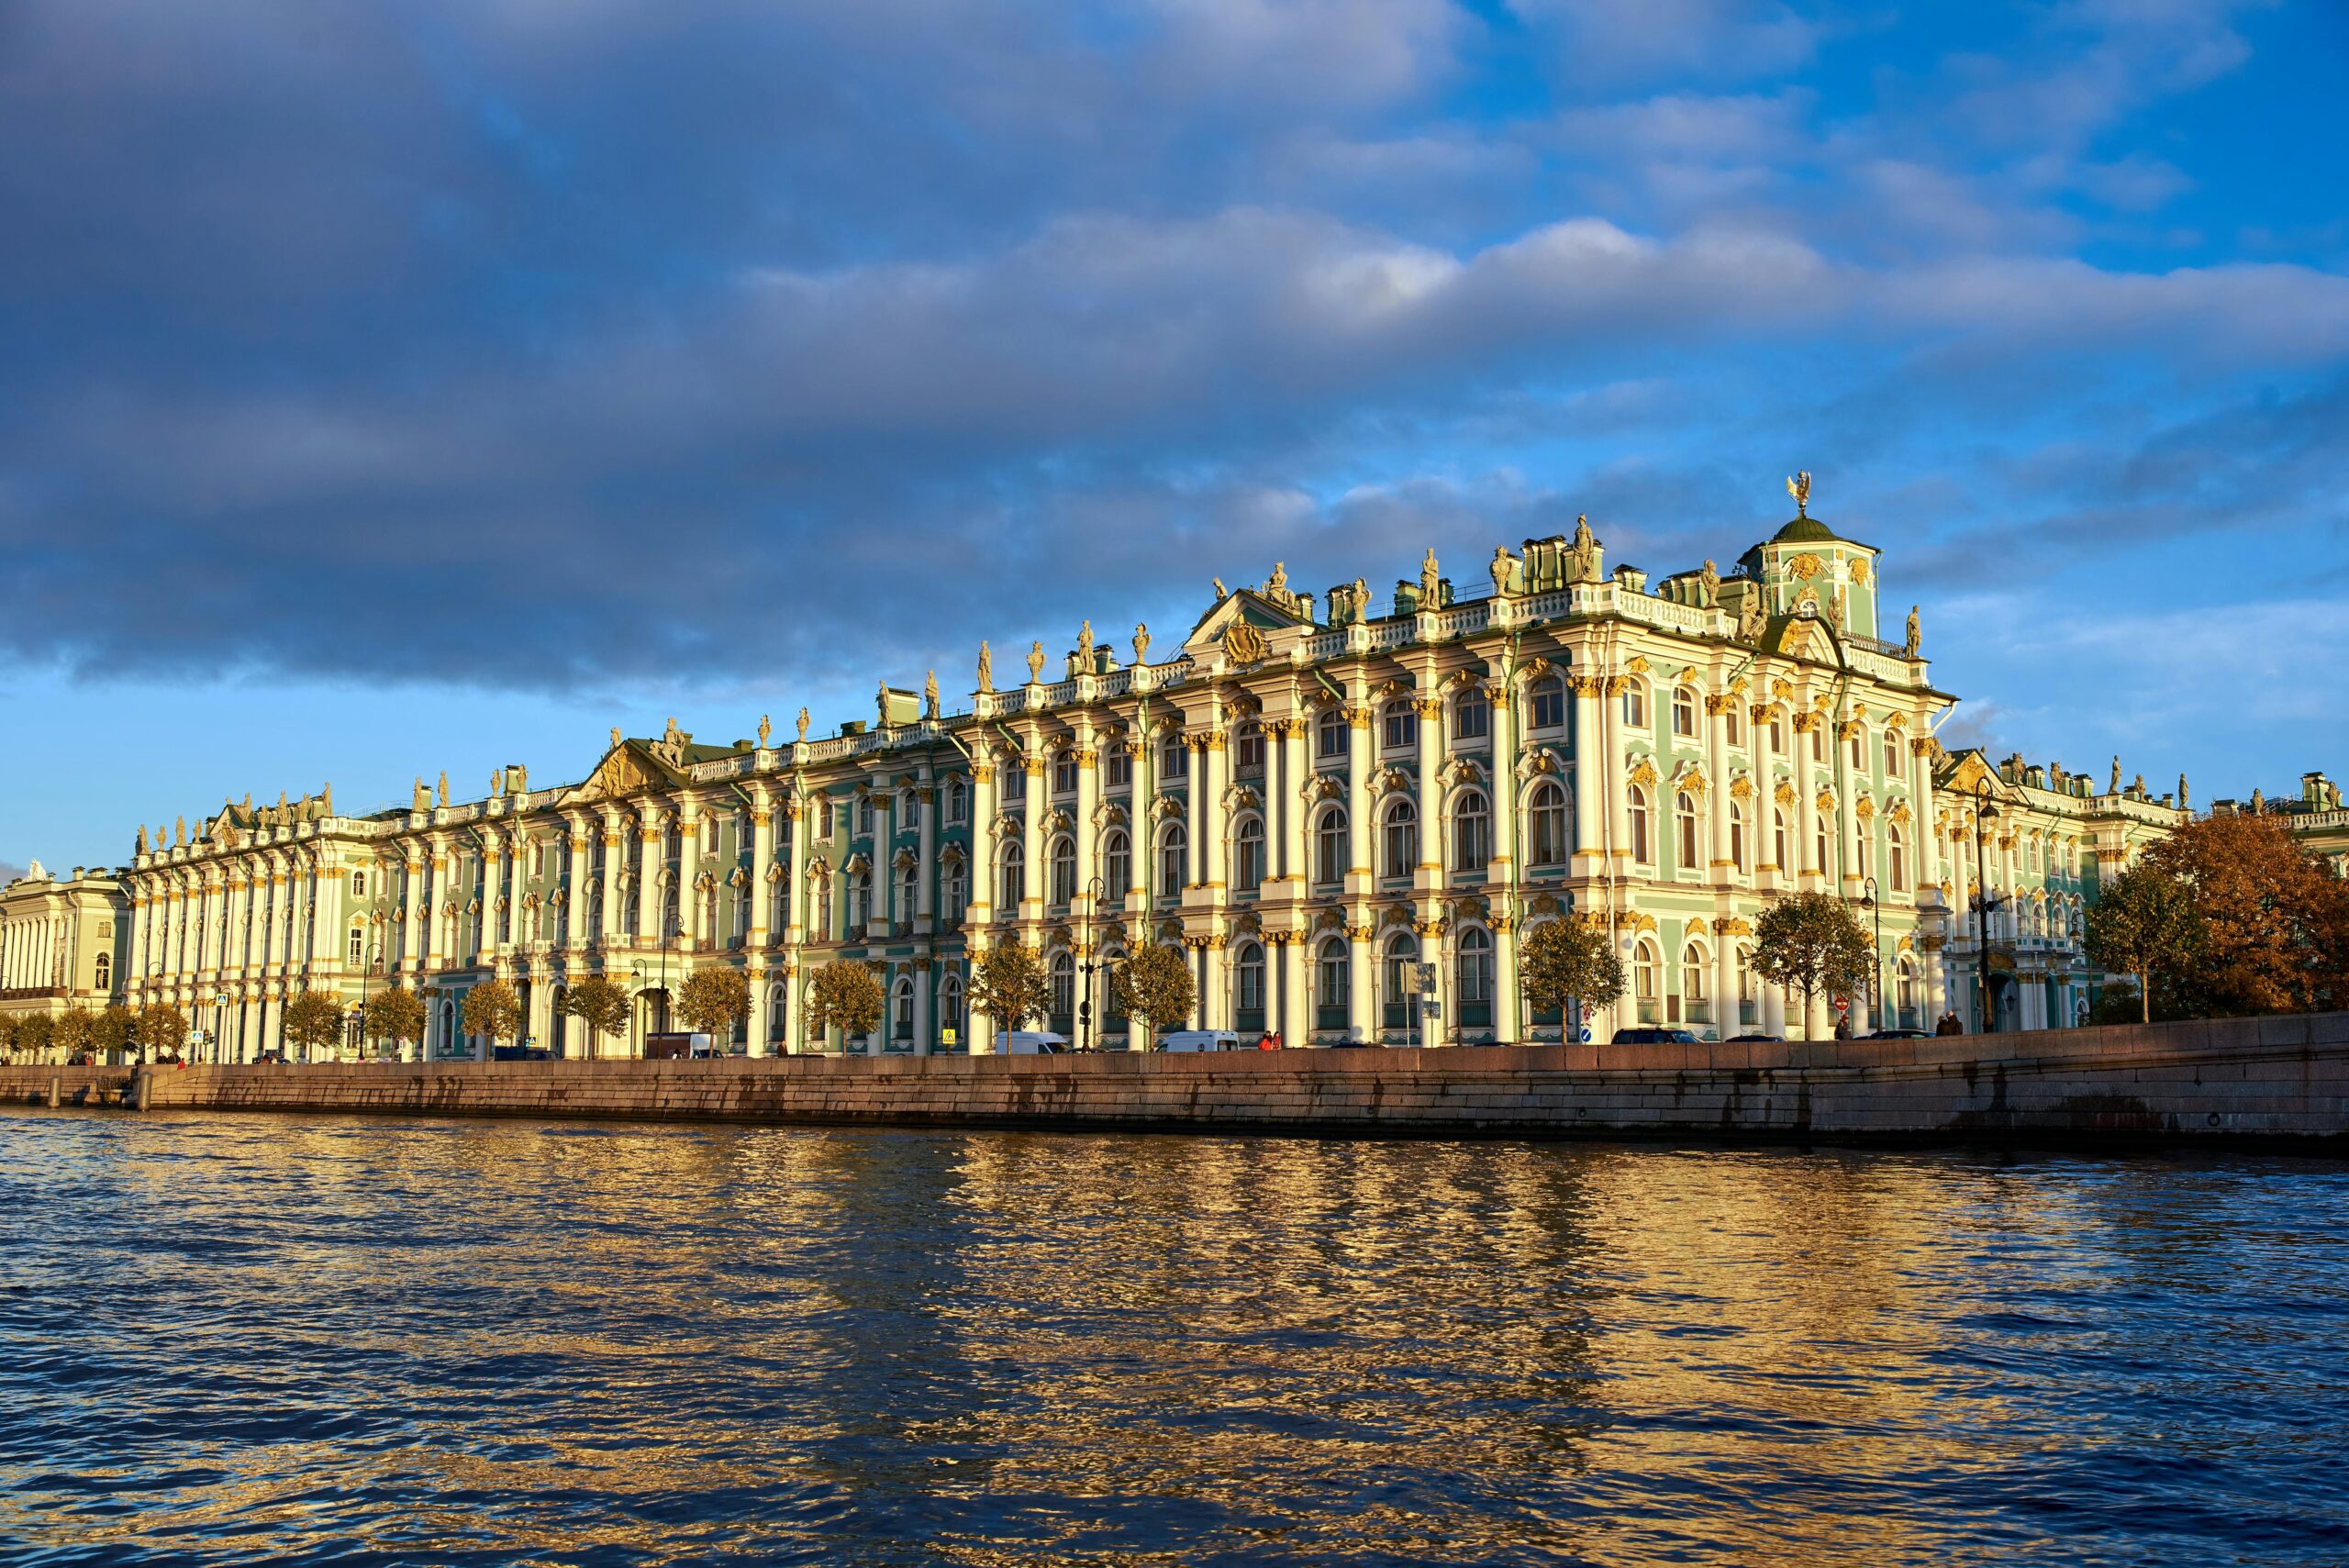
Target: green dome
1803,530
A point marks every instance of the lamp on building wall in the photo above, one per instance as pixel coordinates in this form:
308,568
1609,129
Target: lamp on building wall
1986,811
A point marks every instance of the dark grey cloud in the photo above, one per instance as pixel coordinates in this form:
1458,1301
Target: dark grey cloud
539,345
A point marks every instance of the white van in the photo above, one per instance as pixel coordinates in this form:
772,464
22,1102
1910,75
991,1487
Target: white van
1028,1042
1205,1040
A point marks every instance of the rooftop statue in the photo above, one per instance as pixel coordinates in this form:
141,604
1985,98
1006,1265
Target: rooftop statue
1581,557
1751,619
1036,661
1504,571
1085,648
1909,649
1429,578
2116,777
928,700
766,729
1709,581
1141,641
615,735
1221,593
1799,488
422,799
803,724
2183,799
444,786
986,667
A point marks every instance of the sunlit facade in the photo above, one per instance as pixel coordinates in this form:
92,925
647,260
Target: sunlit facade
1312,798
62,941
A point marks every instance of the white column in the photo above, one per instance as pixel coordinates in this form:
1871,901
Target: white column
1290,741
1433,858
1716,712
1805,824
885,865
1297,989
925,913
1206,783
1362,875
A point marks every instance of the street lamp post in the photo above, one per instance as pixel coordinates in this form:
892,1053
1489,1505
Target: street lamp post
1869,901
1094,891
1984,810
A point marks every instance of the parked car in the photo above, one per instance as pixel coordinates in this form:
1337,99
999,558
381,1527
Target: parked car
1755,1040
1204,1039
1649,1036
521,1053
1030,1043
1899,1034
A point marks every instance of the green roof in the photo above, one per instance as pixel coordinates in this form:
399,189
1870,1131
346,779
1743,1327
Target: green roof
1804,530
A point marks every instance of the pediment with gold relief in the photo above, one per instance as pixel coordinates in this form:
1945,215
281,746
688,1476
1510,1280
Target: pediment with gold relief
623,772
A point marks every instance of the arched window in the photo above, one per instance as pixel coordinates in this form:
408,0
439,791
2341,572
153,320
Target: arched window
778,1019
1697,1006
1248,986
1819,848
1684,822
1330,732
1063,772
358,944
1062,972
954,889
949,1009
1896,849
1778,839
958,800
1859,747
1546,703
1546,817
1472,831
1400,959
1401,826
103,981
1642,848
1062,855
1175,757
1014,881
901,1011
908,890
1248,748
1116,865
1732,722
1683,711
358,885
1891,754
1248,854
1331,983
1904,990
1330,844
1472,716
1014,773
1643,977
1737,836
1401,725
864,814
1173,859
1473,979
1635,704
860,901
1113,1012
819,895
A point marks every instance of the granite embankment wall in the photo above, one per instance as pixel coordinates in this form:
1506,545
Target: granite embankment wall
2281,1079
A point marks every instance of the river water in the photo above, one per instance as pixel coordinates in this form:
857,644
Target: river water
234,1339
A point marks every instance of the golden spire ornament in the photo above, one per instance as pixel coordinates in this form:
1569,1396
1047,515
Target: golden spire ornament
1799,488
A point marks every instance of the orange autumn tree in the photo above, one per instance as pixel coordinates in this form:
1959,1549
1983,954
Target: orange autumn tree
2274,922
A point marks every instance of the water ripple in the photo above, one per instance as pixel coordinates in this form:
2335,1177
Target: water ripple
368,1342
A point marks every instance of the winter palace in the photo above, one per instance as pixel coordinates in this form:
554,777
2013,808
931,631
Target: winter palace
1321,800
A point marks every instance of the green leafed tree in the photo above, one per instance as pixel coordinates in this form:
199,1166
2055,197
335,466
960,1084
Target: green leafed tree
162,1031
1811,942
598,1004
1155,986
117,1029
1009,985
1569,961
844,995
714,996
77,1032
11,1026
313,1023
393,1014
493,1010
2145,923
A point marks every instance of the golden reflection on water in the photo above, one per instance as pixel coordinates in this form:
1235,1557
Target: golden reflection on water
561,1343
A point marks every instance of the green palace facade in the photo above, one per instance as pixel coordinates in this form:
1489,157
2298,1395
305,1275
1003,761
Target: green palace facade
1310,796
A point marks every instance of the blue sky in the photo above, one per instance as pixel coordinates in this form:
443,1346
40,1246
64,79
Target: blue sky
429,386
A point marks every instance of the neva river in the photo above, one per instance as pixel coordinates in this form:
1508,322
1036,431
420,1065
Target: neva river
228,1338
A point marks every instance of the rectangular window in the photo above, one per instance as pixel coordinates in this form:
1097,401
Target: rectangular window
1121,767
1065,773
1402,728
1175,759
1472,718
